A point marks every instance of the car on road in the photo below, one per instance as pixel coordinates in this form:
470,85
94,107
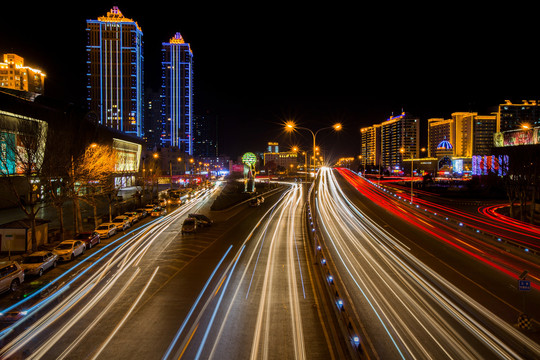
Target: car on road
11,317
254,202
189,225
11,275
39,261
68,249
90,238
121,222
106,230
202,219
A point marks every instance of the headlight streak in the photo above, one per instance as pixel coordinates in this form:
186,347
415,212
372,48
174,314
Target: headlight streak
203,342
371,230
506,267
147,233
181,329
276,213
119,325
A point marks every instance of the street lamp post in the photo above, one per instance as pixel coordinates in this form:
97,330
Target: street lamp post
291,126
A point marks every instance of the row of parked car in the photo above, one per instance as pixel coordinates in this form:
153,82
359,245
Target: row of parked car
12,273
122,222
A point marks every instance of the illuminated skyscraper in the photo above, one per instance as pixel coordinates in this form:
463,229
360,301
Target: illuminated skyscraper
115,72
177,94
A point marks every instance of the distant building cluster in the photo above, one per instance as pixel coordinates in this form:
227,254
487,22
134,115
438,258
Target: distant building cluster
461,145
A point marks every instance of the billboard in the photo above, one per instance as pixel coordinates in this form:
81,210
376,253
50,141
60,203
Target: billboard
515,138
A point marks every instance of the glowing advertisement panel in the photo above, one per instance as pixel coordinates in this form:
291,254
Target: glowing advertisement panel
485,164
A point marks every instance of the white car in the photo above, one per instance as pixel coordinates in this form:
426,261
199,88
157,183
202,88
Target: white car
11,276
39,261
67,250
121,222
106,230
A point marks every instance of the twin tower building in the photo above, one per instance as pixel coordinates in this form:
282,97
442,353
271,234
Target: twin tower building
115,63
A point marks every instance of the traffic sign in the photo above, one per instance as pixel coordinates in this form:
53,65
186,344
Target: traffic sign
524,285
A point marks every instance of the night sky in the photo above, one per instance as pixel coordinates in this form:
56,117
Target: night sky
260,64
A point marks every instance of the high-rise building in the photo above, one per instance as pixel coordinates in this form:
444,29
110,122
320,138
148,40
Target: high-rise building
14,75
152,119
177,94
205,141
400,137
518,116
438,131
370,139
115,72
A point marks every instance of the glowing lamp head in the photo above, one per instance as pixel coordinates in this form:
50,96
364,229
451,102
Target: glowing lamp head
337,127
290,125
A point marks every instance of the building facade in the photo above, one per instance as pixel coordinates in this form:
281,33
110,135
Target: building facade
512,116
15,76
115,72
370,140
177,94
400,137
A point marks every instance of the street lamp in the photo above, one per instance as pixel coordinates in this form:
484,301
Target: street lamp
291,126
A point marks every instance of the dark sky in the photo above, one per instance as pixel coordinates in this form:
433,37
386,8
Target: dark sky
260,64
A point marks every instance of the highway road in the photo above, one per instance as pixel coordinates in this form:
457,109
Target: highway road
241,288
414,287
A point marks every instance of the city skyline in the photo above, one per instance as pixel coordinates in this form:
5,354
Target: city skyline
315,66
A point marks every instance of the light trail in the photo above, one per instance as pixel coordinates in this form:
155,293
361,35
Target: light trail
420,313
109,264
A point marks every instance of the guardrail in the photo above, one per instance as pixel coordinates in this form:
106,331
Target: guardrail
332,284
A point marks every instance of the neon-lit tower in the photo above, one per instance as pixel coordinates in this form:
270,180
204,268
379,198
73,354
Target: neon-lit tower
177,94
115,72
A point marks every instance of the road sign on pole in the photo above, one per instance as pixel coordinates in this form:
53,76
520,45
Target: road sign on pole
524,285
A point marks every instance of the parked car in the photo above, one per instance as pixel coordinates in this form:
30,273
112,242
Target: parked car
39,261
189,225
106,230
90,238
133,216
142,213
121,222
203,219
158,211
162,202
11,276
68,249
149,207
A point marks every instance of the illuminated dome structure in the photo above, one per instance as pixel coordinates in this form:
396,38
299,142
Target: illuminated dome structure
445,145
444,152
